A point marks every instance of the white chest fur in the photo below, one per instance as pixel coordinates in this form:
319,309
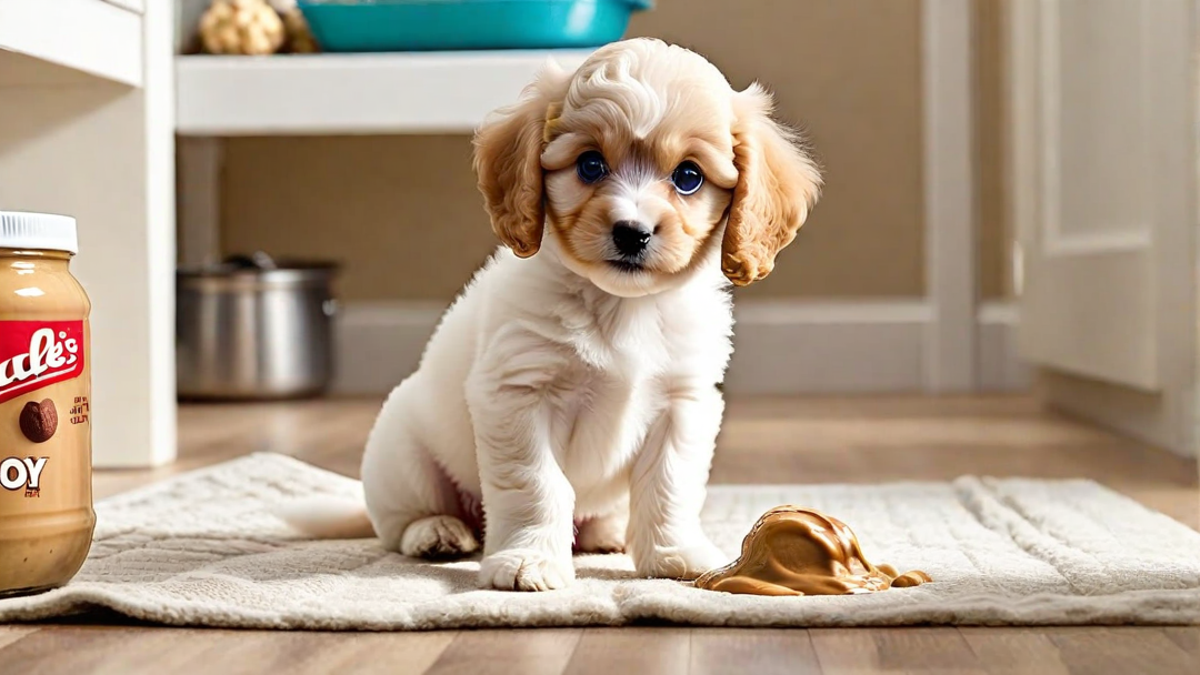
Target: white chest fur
622,358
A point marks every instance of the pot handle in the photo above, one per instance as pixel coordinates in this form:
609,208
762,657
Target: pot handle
260,260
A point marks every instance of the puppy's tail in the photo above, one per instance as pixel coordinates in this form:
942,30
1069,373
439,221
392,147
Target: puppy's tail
327,518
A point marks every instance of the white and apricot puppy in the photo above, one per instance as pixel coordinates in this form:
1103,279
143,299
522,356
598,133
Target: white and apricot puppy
568,400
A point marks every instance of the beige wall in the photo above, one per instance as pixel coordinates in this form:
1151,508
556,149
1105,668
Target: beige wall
402,212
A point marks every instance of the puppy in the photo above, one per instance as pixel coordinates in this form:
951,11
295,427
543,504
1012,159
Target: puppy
568,398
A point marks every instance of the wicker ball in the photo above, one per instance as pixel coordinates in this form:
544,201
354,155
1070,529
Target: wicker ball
241,27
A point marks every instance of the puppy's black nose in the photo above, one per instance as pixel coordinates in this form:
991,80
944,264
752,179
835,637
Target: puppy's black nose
630,237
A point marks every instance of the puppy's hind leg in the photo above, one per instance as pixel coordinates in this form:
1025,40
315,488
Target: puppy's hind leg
413,505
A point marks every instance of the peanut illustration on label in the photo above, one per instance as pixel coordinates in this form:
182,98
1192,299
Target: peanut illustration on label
39,421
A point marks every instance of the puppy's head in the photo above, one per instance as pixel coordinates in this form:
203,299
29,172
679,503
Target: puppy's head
635,161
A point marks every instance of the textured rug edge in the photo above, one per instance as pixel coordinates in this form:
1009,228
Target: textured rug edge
1142,608
166,483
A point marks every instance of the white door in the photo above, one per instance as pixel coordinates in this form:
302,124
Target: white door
1104,178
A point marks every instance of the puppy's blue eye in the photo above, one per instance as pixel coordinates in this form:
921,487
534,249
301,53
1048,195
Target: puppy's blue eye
591,167
687,178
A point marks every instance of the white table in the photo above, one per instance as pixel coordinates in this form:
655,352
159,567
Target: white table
87,129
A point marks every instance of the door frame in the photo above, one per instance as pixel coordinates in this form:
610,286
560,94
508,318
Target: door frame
952,350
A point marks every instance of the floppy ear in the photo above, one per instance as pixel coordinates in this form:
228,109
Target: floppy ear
508,149
778,183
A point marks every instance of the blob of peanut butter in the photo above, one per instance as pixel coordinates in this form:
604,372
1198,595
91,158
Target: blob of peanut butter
796,551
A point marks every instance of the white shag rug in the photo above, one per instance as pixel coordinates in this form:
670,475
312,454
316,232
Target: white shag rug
202,549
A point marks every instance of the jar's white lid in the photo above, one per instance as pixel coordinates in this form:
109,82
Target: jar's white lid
38,231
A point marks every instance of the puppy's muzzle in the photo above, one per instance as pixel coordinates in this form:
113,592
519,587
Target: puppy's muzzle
630,238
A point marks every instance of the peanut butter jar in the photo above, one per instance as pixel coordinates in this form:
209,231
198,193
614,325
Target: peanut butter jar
46,516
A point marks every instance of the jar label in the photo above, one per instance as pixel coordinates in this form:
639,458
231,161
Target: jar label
37,354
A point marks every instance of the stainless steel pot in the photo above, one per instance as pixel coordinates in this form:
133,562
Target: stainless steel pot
254,329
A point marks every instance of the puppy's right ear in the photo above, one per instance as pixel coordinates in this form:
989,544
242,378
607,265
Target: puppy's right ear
508,150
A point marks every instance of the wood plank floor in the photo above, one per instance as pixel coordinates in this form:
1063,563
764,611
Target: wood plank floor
765,441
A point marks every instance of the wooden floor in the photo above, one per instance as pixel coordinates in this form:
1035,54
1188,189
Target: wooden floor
763,441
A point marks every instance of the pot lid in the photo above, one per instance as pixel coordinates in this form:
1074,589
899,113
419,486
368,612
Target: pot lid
259,269
259,264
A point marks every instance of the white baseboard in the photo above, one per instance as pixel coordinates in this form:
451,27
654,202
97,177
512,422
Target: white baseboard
781,347
1000,365
790,347
379,343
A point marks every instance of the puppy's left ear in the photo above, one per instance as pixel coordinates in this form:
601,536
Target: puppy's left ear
508,150
778,183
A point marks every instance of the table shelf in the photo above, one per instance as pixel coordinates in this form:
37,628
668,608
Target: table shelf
334,94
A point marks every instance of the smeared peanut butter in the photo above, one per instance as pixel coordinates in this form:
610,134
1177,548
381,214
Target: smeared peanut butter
796,551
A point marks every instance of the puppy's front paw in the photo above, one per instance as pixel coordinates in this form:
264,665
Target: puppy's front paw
438,537
525,569
681,562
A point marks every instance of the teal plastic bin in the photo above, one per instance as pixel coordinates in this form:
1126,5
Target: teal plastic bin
434,25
